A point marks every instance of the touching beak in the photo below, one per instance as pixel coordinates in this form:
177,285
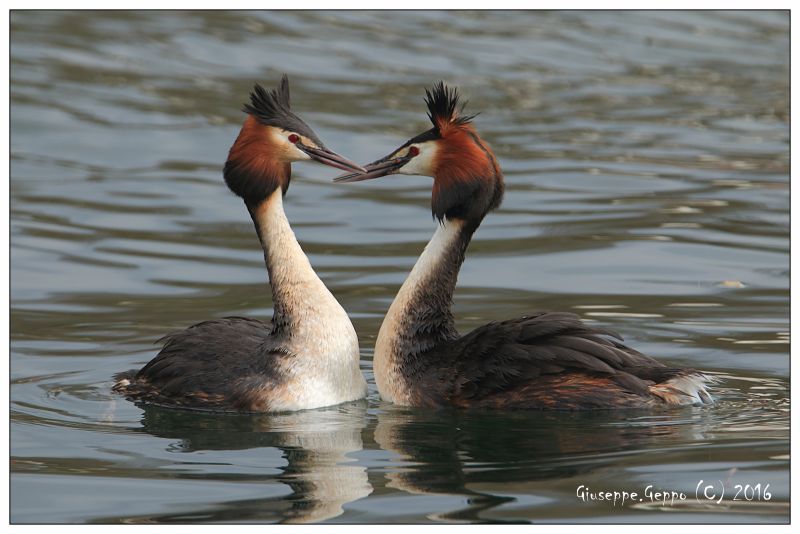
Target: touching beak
376,169
329,157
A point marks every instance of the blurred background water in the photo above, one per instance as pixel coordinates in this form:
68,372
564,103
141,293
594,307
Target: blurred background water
647,164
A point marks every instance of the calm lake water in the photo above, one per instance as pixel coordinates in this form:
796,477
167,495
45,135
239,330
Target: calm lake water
647,165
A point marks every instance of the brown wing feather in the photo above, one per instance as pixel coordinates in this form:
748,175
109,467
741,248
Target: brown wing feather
545,360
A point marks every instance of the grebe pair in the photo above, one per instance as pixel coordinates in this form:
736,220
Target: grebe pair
309,357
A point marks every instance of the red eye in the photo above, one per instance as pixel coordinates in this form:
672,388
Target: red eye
413,151
294,138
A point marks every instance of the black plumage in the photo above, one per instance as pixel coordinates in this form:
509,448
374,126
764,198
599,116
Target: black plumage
187,371
445,106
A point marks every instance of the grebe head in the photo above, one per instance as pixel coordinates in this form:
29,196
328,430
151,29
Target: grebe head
467,181
271,138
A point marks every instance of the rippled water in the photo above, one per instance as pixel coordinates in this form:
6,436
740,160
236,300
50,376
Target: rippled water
647,166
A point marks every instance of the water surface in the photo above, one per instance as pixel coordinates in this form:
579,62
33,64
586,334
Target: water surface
647,167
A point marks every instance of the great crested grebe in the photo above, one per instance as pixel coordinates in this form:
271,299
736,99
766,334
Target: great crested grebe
547,360
309,356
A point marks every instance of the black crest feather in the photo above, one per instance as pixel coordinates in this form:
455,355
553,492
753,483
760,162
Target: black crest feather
444,106
269,106
272,108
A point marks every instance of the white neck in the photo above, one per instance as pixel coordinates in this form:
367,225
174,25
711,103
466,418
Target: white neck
308,320
296,288
432,279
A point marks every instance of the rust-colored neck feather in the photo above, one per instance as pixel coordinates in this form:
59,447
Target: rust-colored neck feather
254,168
467,180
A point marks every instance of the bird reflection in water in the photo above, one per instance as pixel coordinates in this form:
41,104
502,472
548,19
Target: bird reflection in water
465,454
314,443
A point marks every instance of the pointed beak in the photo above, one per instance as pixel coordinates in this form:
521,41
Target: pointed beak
376,169
329,157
